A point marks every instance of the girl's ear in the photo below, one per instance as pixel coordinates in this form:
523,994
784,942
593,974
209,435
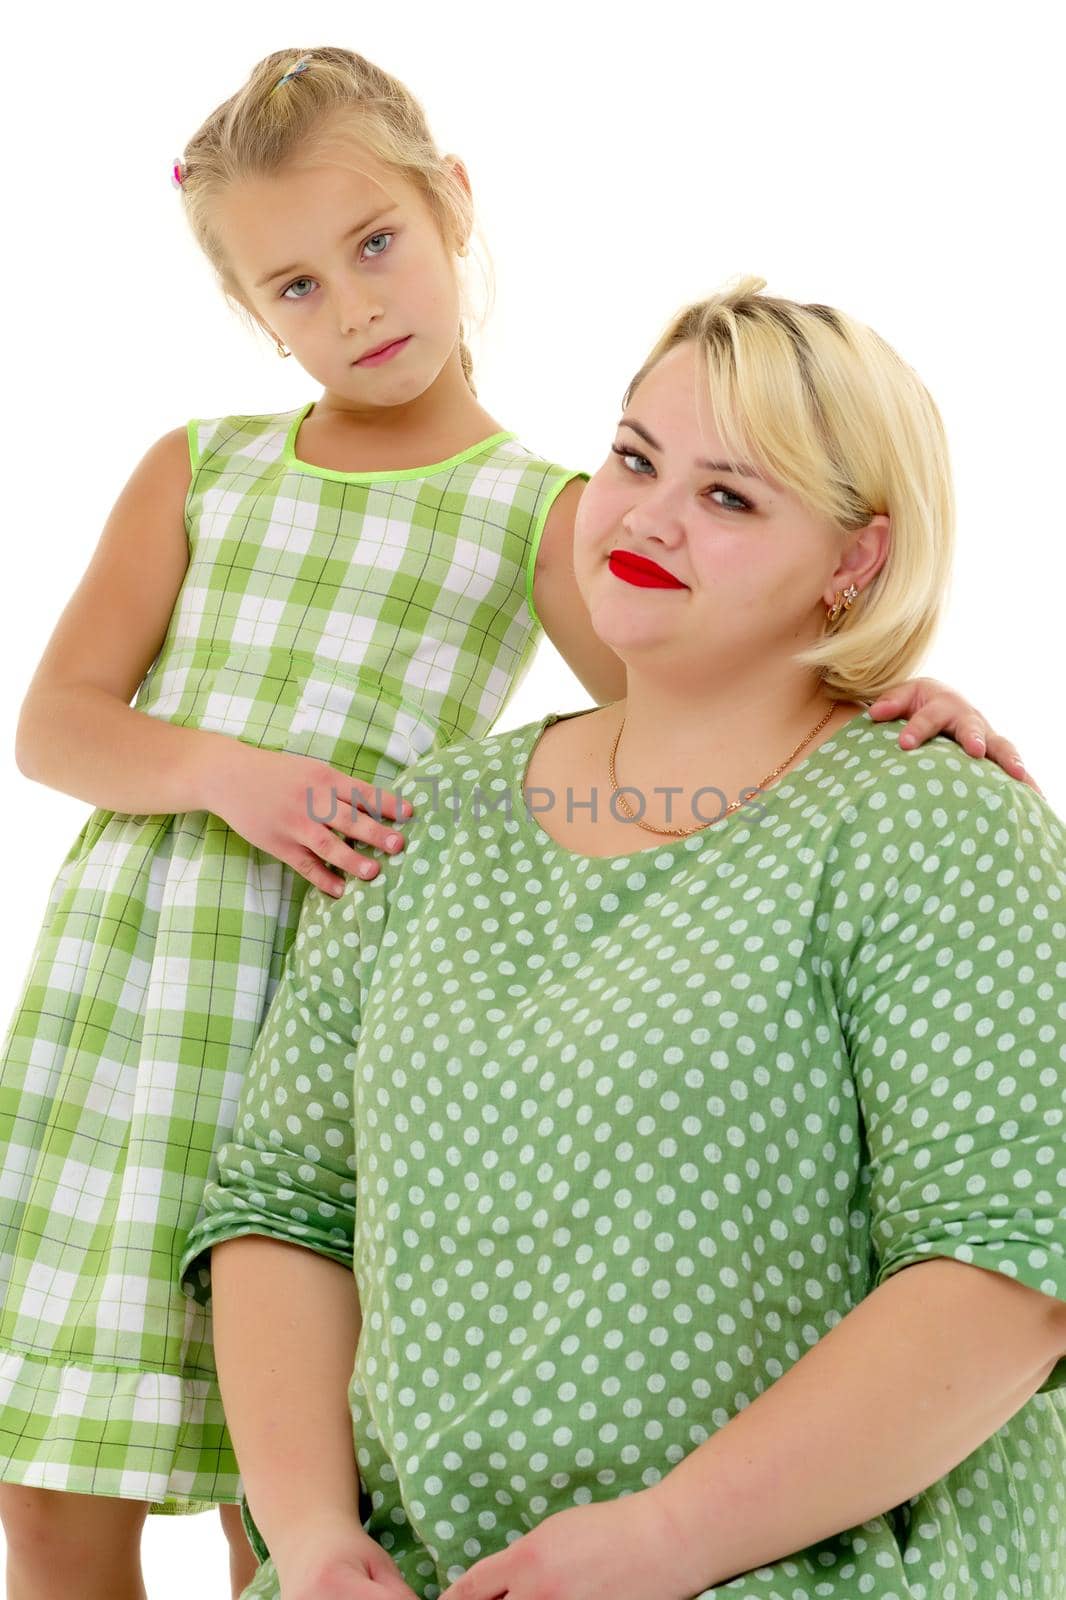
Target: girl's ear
457,170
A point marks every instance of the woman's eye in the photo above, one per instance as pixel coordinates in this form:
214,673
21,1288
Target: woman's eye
372,239
731,502
285,292
631,455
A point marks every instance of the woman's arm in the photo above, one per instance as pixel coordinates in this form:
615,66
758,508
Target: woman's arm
279,1228
940,954
906,1386
286,1327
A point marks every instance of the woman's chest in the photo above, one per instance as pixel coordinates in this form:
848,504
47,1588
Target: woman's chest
597,1060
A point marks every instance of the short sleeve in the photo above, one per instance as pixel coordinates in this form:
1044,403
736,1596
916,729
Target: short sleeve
947,929
288,1170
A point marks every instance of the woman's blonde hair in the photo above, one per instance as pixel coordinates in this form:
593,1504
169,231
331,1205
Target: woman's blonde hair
338,98
825,406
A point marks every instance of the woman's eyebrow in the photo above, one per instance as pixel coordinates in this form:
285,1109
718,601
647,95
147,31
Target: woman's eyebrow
738,467
375,216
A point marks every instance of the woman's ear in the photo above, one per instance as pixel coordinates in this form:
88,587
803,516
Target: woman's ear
863,557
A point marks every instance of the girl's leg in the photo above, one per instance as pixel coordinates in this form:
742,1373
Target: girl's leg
243,1565
82,1545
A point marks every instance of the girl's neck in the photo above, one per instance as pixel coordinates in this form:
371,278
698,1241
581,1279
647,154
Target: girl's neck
442,421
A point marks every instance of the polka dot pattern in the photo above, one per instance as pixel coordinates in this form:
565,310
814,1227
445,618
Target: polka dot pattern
613,1142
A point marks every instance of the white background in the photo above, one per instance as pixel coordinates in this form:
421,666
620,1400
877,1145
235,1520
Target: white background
899,161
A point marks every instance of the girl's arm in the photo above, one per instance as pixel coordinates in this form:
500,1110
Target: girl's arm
931,707
558,603
77,731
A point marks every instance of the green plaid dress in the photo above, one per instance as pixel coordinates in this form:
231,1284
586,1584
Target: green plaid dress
362,618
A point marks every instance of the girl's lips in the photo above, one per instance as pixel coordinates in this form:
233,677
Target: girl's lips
645,574
376,357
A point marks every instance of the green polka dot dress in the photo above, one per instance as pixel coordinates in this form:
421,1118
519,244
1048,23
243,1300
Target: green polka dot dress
366,619
611,1143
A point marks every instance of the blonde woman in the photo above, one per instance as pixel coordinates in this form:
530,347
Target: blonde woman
689,1095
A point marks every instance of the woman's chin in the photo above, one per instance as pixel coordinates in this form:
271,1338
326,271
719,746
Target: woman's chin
619,626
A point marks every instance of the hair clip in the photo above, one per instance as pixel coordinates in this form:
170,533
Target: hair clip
293,72
177,172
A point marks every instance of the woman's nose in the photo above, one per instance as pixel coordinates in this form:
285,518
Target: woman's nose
656,516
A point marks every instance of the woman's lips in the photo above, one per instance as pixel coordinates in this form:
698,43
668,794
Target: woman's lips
384,353
645,574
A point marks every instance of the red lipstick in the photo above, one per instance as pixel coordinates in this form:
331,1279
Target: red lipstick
644,573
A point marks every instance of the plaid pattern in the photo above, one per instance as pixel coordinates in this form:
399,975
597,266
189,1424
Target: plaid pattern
364,619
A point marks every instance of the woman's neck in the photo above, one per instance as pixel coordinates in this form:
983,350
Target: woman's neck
730,739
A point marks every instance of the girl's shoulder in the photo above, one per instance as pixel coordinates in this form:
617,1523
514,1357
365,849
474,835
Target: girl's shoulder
261,435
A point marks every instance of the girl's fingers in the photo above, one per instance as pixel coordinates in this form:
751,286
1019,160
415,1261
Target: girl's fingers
888,706
1004,753
390,804
358,824
921,727
973,739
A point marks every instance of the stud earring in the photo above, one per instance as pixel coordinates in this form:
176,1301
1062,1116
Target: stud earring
841,602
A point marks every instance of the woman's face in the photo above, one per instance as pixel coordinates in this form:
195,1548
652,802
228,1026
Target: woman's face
754,566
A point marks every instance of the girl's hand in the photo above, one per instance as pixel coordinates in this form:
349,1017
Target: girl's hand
934,708
339,1560
626,1549
272,799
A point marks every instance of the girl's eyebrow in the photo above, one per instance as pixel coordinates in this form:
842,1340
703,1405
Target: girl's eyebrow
375,216
737,467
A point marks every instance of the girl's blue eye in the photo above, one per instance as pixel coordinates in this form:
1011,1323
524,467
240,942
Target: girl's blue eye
370,241
292,285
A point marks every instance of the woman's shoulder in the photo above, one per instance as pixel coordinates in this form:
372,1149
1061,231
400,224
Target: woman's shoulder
932,807
467,762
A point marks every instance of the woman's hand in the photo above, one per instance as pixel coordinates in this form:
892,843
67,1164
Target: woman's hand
933,708
625,1549
340,1560
273,798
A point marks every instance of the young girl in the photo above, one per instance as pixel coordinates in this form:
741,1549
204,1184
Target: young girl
303,604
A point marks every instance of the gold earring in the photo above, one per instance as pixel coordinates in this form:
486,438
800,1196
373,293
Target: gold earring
841,602
280,348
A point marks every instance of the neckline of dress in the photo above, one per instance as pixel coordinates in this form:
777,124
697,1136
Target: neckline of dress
297,464
699,840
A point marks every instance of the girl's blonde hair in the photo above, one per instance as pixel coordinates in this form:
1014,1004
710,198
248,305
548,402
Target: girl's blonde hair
825,406
339,97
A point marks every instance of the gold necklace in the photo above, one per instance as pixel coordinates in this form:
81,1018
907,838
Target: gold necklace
682,833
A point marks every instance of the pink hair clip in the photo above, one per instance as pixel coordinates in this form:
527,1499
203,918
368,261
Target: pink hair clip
177,172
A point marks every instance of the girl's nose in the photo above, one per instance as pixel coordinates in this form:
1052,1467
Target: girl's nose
357,310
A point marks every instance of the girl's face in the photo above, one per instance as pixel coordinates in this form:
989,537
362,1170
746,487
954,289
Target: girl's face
337,263
754,565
